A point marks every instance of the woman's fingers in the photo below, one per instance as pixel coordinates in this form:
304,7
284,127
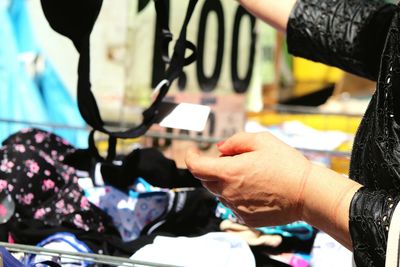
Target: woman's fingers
205,168
238,144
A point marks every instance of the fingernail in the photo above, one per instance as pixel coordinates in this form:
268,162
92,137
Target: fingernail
220,143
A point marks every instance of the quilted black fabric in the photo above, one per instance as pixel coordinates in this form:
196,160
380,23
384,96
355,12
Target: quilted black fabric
362,37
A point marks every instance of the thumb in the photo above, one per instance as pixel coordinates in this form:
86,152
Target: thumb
238,144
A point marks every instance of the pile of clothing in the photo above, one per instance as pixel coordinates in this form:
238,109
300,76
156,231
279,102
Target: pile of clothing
60,193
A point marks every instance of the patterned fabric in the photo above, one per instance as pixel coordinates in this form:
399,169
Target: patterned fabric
340,33
42,186
130,213
61,241
53,145
357,36
8,260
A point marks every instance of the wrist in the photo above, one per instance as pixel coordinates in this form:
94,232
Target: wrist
302,188
307,200
327,198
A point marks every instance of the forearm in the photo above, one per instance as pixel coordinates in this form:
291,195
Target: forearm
274,12
327,198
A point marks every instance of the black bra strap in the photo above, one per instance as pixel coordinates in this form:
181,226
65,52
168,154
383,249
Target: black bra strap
111,151
86,100
162,20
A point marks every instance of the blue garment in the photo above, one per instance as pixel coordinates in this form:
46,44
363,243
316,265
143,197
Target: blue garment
8,260
298,229
21,24
46,99
20,100
69,243
130,213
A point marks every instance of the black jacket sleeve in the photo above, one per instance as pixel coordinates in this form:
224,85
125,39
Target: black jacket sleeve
369,230
348,34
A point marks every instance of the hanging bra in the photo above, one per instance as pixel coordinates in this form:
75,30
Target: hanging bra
75,19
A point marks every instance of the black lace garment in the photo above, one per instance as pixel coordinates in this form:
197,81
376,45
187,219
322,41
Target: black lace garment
362,37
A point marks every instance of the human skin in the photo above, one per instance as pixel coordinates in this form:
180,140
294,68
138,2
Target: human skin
266,182
275,13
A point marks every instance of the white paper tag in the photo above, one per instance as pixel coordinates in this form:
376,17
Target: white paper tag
192,117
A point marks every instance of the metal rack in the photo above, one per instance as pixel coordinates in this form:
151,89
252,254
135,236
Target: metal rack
153,134
87,257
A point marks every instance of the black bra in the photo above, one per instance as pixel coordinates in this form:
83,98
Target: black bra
75,19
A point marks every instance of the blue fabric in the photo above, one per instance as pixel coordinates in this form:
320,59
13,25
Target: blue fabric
20,100
132,212
298,229
10,261
22,27
70,244
45,98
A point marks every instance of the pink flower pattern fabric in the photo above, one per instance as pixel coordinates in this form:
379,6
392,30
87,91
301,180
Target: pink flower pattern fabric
42,186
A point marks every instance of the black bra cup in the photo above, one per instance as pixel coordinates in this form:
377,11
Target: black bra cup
72,18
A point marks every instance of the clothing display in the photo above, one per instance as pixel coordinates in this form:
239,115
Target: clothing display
51,207
48,200
66,187
348,27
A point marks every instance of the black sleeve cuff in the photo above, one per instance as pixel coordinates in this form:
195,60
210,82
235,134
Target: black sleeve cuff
370,215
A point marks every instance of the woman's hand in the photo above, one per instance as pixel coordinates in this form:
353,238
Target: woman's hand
258,176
